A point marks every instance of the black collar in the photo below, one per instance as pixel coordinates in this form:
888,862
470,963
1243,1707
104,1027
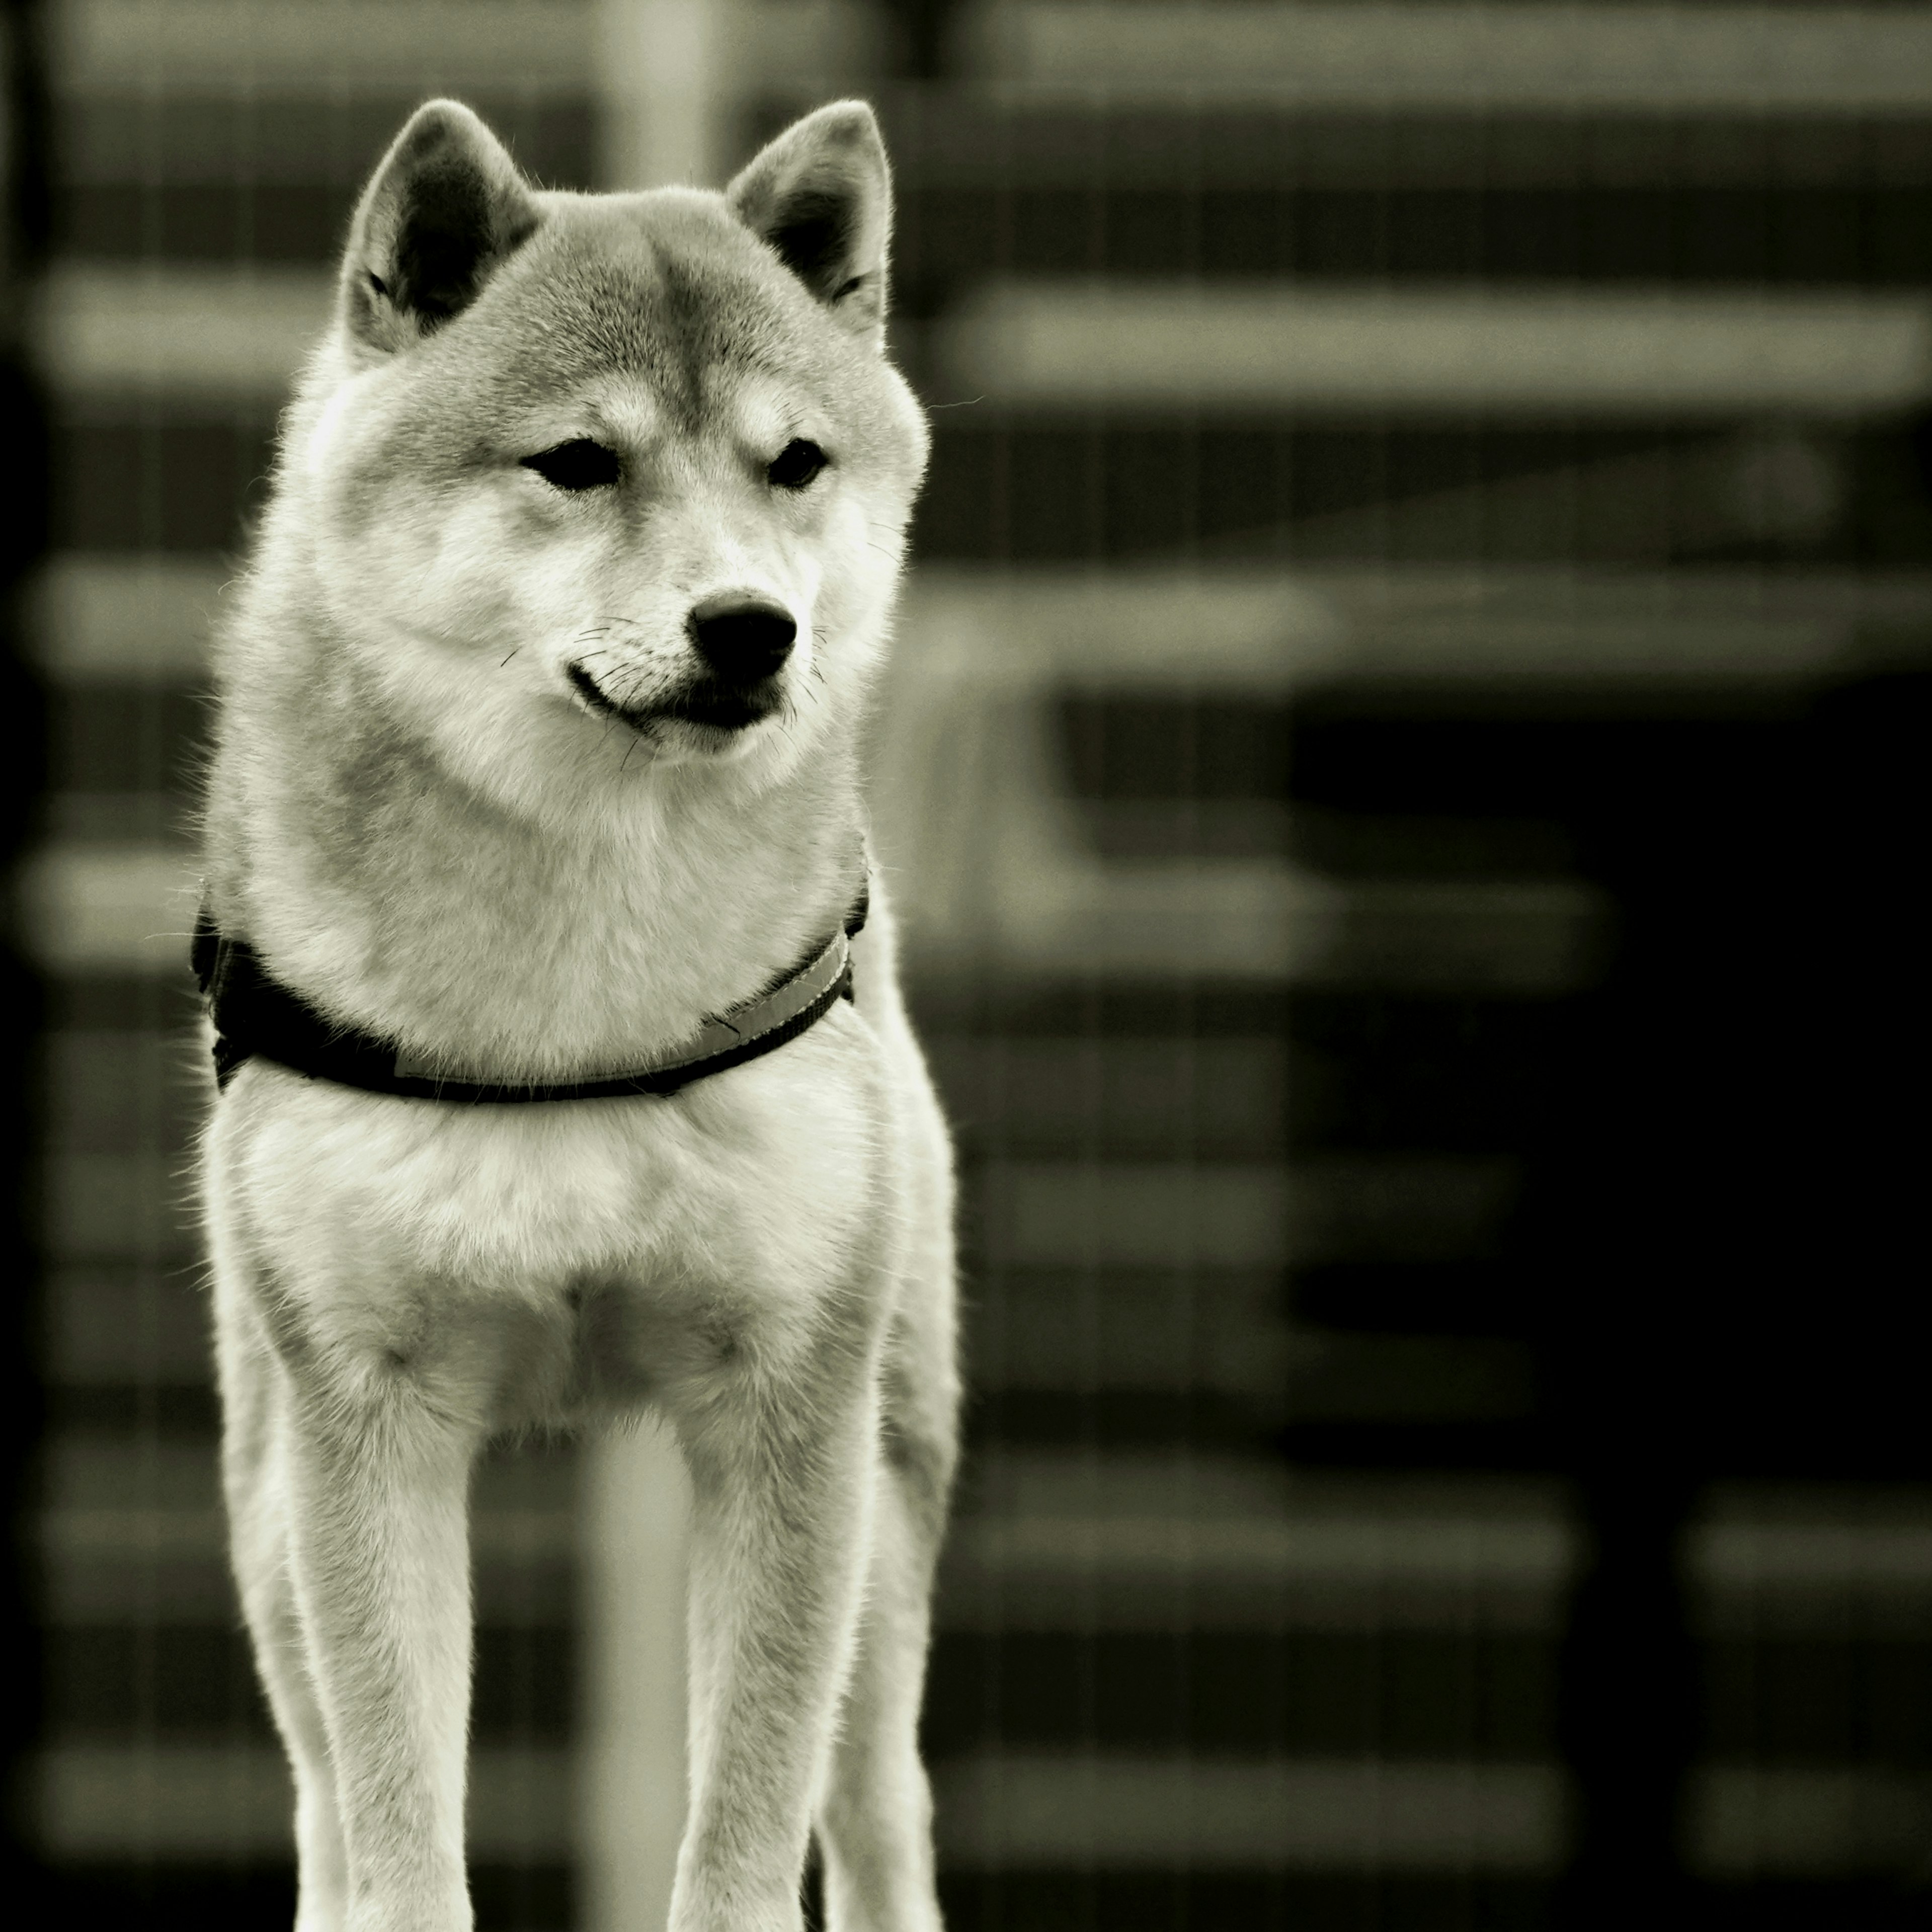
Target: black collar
254,1014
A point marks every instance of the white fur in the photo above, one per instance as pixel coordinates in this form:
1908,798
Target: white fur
426,828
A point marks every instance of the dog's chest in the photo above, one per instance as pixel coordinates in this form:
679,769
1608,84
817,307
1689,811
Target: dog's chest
761,1178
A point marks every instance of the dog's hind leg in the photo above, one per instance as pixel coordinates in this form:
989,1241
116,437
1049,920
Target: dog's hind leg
255,1478
875,1822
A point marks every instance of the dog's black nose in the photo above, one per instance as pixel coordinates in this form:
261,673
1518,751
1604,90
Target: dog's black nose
742,637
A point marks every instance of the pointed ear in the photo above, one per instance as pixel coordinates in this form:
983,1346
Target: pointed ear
445,206
821,194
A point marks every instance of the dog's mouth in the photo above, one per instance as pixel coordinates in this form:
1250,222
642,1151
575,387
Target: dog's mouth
709,703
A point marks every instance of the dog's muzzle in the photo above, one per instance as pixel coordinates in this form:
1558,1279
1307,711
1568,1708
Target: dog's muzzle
742,642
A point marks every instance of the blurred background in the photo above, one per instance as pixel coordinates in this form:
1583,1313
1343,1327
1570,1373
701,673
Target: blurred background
1406,771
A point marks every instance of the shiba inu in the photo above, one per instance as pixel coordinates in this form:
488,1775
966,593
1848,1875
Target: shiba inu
564,1072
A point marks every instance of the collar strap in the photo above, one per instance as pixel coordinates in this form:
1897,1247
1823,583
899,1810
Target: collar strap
255,1015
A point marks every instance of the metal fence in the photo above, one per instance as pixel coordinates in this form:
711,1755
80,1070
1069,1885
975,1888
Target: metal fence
1405,766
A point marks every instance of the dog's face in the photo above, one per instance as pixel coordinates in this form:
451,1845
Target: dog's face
601,484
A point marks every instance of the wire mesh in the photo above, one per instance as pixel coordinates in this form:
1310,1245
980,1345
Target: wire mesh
1403,773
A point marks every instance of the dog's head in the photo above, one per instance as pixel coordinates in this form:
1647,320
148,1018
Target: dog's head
603,483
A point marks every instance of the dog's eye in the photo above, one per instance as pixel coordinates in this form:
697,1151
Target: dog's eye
579,465
795,465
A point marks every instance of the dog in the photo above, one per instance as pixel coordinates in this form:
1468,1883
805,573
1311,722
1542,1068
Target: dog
564,1070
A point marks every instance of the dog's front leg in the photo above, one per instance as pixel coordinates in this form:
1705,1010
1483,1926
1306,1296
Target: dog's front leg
781,1462
380,1448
